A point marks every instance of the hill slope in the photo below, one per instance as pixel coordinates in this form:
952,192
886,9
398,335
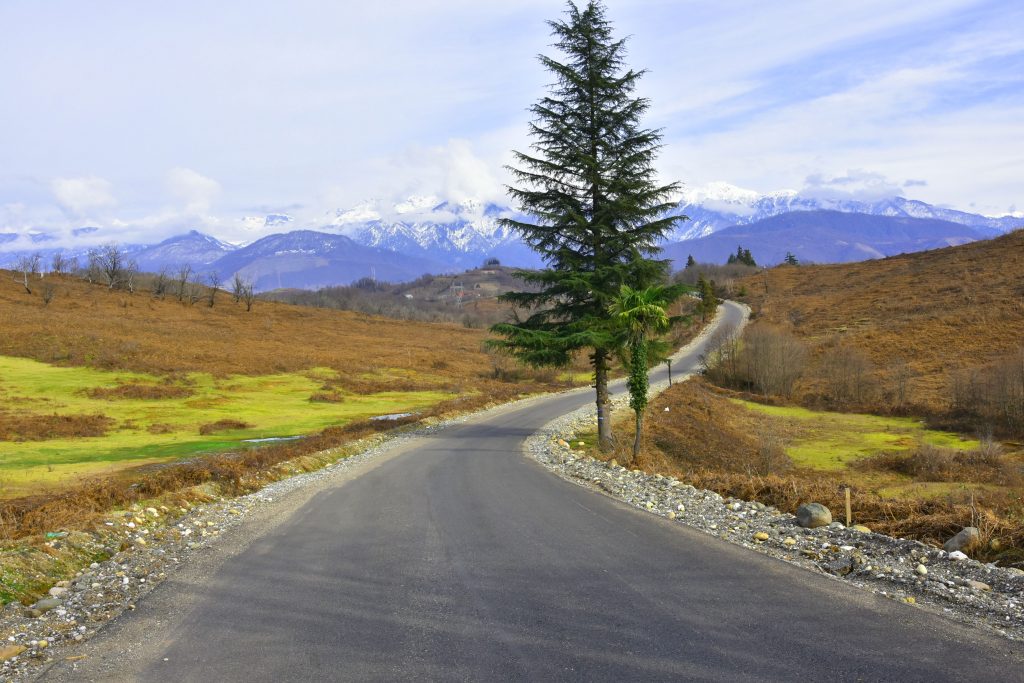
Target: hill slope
938,311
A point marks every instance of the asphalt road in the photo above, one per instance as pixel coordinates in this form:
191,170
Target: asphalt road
460,559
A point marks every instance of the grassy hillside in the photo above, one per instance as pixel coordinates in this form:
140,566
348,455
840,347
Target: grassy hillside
922,316
828,385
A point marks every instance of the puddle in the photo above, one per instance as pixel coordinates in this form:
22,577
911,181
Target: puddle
392,416
271,439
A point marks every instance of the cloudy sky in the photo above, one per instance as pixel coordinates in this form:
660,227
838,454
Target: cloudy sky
151,118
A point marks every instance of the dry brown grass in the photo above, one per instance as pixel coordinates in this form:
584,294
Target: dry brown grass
223,426
93,326
926,314
35,427
131,391
712,443
988,464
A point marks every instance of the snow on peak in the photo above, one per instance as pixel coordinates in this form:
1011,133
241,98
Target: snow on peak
719,191
361,213
417,204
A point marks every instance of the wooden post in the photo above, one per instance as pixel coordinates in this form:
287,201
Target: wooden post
848,510
668,362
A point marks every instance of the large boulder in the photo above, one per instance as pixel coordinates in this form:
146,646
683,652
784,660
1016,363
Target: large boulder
813,515
965,541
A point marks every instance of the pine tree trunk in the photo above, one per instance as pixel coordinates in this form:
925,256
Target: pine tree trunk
636,439
604,421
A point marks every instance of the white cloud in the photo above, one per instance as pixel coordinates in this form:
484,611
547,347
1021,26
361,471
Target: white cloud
857,184
80,196
194,190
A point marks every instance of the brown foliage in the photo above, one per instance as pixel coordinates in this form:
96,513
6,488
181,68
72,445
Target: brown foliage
223,426
985,464
140,391
34,427
711,443
768,360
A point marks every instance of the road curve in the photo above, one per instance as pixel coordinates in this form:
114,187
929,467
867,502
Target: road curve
460,559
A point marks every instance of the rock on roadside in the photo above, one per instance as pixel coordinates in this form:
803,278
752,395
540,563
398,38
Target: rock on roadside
813,515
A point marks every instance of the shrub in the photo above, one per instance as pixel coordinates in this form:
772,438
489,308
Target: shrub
223,426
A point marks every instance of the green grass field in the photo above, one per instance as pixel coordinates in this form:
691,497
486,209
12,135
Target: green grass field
157,430
831,441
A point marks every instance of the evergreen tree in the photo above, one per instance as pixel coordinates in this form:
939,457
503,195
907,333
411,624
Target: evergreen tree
791,259
641,314
741,256
595,212
690,263
708,301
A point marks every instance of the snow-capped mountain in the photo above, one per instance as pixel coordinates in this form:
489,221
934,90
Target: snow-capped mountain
402,240
459,233
720,205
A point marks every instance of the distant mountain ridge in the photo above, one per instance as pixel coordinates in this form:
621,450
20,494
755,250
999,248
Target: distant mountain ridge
306,259
394,241
826,237
720,205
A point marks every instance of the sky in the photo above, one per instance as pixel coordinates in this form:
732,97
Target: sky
149,119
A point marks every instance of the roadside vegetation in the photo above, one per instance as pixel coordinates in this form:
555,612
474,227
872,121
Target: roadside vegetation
109,396
902,378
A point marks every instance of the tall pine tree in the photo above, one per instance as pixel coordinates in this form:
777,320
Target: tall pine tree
595,212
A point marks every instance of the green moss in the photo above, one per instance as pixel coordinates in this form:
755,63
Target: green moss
164,429
830,441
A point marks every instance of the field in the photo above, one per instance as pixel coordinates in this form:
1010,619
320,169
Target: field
195,413
97,381
833,441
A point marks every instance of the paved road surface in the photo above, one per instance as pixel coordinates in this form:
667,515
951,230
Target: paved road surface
460,559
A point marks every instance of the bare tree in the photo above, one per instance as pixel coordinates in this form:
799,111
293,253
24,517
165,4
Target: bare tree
160,284
992,397
847,374
214,282
248,295
49,290
183,279
113,265
237,287
901,375
63,265
774,360
25,268
93,272
131,275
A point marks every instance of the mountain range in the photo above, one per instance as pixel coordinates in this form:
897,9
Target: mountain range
401,241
